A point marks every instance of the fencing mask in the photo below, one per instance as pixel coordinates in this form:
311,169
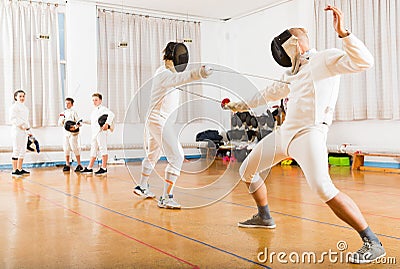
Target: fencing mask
102,120
285,50
178,53
32,140
71,126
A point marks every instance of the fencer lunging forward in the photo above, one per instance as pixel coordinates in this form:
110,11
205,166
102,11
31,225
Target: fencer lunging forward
161,138
314,84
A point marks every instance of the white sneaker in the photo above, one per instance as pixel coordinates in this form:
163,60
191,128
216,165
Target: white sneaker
143,192
369,252
257,222
168,202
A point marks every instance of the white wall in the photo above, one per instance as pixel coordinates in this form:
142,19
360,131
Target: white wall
250,39
373,135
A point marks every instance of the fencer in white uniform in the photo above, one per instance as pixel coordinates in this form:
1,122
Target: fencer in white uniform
70,137
161,137
99,134
314,80
20,130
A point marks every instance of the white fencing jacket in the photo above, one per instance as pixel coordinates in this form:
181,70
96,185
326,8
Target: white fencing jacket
164,97
19,116
313,91
69,114
94,117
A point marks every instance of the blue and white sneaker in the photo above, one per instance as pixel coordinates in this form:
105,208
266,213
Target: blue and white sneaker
143,192
168,202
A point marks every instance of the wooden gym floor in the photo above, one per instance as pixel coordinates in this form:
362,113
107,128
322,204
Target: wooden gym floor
55,220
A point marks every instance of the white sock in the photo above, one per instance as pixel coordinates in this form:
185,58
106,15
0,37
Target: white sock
144,178
169,183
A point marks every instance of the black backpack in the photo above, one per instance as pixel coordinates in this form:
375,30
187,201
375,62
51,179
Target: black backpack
211,136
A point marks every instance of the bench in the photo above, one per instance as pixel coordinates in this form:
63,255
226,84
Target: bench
358,162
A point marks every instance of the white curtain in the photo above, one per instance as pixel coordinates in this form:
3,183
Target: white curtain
374,94
29,63
123,71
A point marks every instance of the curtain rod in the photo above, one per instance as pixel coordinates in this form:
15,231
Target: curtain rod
144,15
40,2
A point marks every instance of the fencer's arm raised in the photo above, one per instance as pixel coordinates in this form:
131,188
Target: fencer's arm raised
169,79
355,58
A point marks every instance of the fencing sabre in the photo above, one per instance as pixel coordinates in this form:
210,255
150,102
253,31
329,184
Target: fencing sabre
222,103
250,75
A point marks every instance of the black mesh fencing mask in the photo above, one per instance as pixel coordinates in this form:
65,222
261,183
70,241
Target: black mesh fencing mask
279,54
69,124
32,140
178,53
102,120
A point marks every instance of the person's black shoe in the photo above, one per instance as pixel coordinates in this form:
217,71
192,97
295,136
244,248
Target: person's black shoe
87,171
101,171
79,168
66,168
16,173
24,172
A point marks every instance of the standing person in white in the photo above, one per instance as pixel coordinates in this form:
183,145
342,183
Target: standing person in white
70,142
99,135
20,130
161,138
313,90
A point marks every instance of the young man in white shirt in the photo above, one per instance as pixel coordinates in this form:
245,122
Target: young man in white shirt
71,136
99,135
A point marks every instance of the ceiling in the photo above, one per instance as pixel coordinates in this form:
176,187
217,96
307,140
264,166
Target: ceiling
202,9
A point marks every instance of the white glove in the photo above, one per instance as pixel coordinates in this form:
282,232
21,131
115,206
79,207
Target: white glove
237,106
205,71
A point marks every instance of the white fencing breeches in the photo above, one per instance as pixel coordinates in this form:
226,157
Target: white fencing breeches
308,148
99,144
19,142
162,139
71,144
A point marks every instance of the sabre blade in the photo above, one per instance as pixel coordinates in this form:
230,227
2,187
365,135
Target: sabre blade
200,95
250,75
